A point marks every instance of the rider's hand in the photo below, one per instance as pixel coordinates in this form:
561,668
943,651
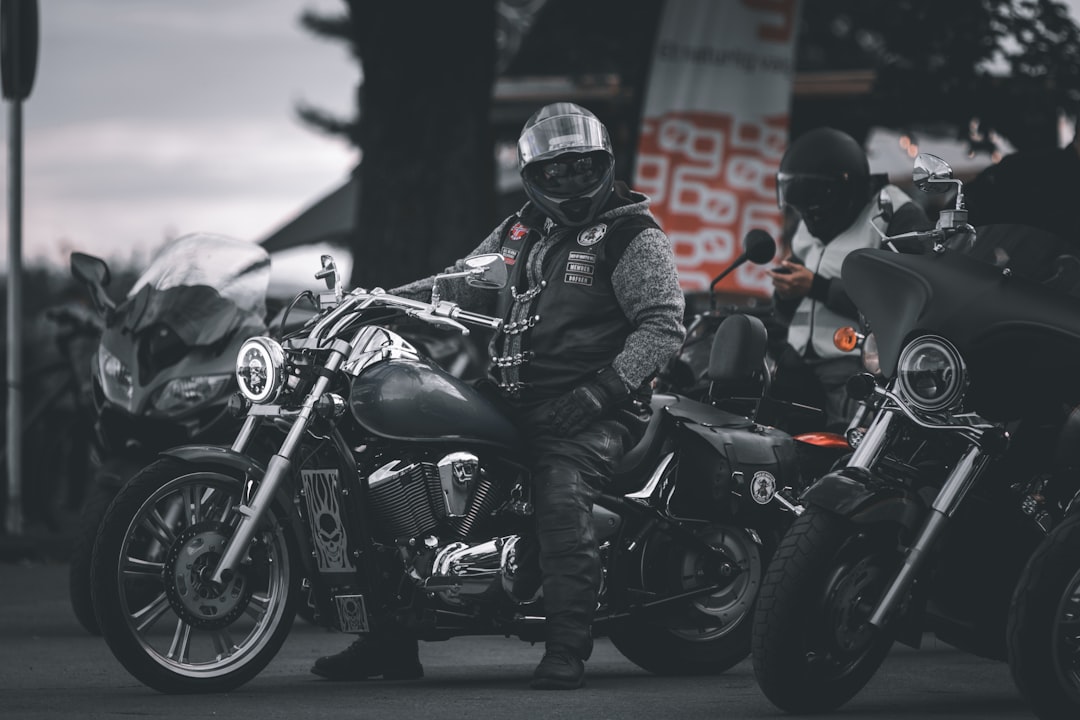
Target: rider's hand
792,284
573,411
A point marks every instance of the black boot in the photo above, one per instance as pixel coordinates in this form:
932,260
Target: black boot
560,669
392,658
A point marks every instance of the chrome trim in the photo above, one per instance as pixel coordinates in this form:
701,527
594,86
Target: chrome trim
646,492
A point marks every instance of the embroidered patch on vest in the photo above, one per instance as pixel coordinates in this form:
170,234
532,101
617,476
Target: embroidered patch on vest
517,234
580,268
592,235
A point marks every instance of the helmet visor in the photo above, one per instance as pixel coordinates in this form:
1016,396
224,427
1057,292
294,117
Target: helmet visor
569,175
805,192
561,134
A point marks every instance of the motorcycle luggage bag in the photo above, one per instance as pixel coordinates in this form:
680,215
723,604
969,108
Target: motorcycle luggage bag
728,464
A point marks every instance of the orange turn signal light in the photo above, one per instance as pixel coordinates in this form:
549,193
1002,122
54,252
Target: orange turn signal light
846,339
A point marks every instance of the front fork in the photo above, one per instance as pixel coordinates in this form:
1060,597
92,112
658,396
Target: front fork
276,470
948,499
945,504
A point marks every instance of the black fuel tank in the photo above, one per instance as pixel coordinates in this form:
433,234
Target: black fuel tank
418,401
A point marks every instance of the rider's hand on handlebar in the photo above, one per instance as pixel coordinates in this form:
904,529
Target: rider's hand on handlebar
794,283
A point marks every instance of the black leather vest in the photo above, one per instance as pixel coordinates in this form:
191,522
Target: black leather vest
562,322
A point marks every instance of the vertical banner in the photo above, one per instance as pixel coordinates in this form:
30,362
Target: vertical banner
714,130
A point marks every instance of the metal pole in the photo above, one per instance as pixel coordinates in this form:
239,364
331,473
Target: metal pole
14,519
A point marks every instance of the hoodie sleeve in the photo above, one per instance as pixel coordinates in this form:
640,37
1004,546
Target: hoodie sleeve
646,286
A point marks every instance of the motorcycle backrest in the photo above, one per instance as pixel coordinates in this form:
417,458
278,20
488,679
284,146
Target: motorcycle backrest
737,357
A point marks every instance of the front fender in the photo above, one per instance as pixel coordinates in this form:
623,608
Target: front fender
248,466
866,500
217,455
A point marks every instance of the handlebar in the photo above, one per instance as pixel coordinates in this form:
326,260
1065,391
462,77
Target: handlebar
439,313
925,238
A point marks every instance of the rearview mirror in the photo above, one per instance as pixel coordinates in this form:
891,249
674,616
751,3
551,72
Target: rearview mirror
932,174
94,273
486,271
89,269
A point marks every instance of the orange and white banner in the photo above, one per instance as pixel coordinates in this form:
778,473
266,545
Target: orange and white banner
714,129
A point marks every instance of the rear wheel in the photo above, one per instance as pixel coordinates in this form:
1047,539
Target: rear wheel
108,479
813,648
160,612
706,634
1044,626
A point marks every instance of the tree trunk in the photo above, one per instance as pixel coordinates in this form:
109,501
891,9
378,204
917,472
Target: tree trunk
427,169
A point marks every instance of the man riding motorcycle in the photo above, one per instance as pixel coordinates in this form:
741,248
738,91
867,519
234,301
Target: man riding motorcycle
592,312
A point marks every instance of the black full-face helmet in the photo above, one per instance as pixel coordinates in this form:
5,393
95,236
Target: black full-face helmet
825,177
566,163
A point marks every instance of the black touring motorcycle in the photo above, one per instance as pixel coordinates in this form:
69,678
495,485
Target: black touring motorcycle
969,461
395,491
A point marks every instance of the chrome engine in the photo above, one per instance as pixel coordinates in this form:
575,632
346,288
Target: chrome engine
431,509
446,497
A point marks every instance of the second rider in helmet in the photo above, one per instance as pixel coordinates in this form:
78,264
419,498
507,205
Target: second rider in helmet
825,177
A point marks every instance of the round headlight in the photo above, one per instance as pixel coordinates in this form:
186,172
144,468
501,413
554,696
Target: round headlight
931,374
260,369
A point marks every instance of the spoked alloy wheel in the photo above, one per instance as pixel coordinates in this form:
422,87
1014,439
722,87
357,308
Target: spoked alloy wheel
1044,626
162,615
813,648
707,634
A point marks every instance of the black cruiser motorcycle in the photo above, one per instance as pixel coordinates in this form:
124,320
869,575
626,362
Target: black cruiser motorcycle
395,491
969,461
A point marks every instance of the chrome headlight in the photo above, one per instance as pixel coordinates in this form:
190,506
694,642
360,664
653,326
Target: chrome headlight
931,374
260,369
180,394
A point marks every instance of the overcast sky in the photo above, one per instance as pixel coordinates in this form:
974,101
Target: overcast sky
154,118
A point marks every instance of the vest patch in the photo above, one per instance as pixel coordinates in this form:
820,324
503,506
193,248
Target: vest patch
579,268
574,279
592,235
518,231
509,254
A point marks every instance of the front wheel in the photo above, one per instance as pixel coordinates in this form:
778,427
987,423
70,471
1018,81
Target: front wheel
702,635
1044,626
162,616
813,649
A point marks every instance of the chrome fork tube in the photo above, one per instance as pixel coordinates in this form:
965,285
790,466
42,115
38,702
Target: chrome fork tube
948,499
868,450
244,437
276,470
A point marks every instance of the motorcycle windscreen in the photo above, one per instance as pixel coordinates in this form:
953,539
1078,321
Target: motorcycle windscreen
237,269
202,287
1006,303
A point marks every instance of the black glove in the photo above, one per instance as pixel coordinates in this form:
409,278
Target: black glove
573,411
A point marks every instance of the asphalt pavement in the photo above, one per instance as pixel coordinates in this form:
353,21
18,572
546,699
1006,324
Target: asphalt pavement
51,669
